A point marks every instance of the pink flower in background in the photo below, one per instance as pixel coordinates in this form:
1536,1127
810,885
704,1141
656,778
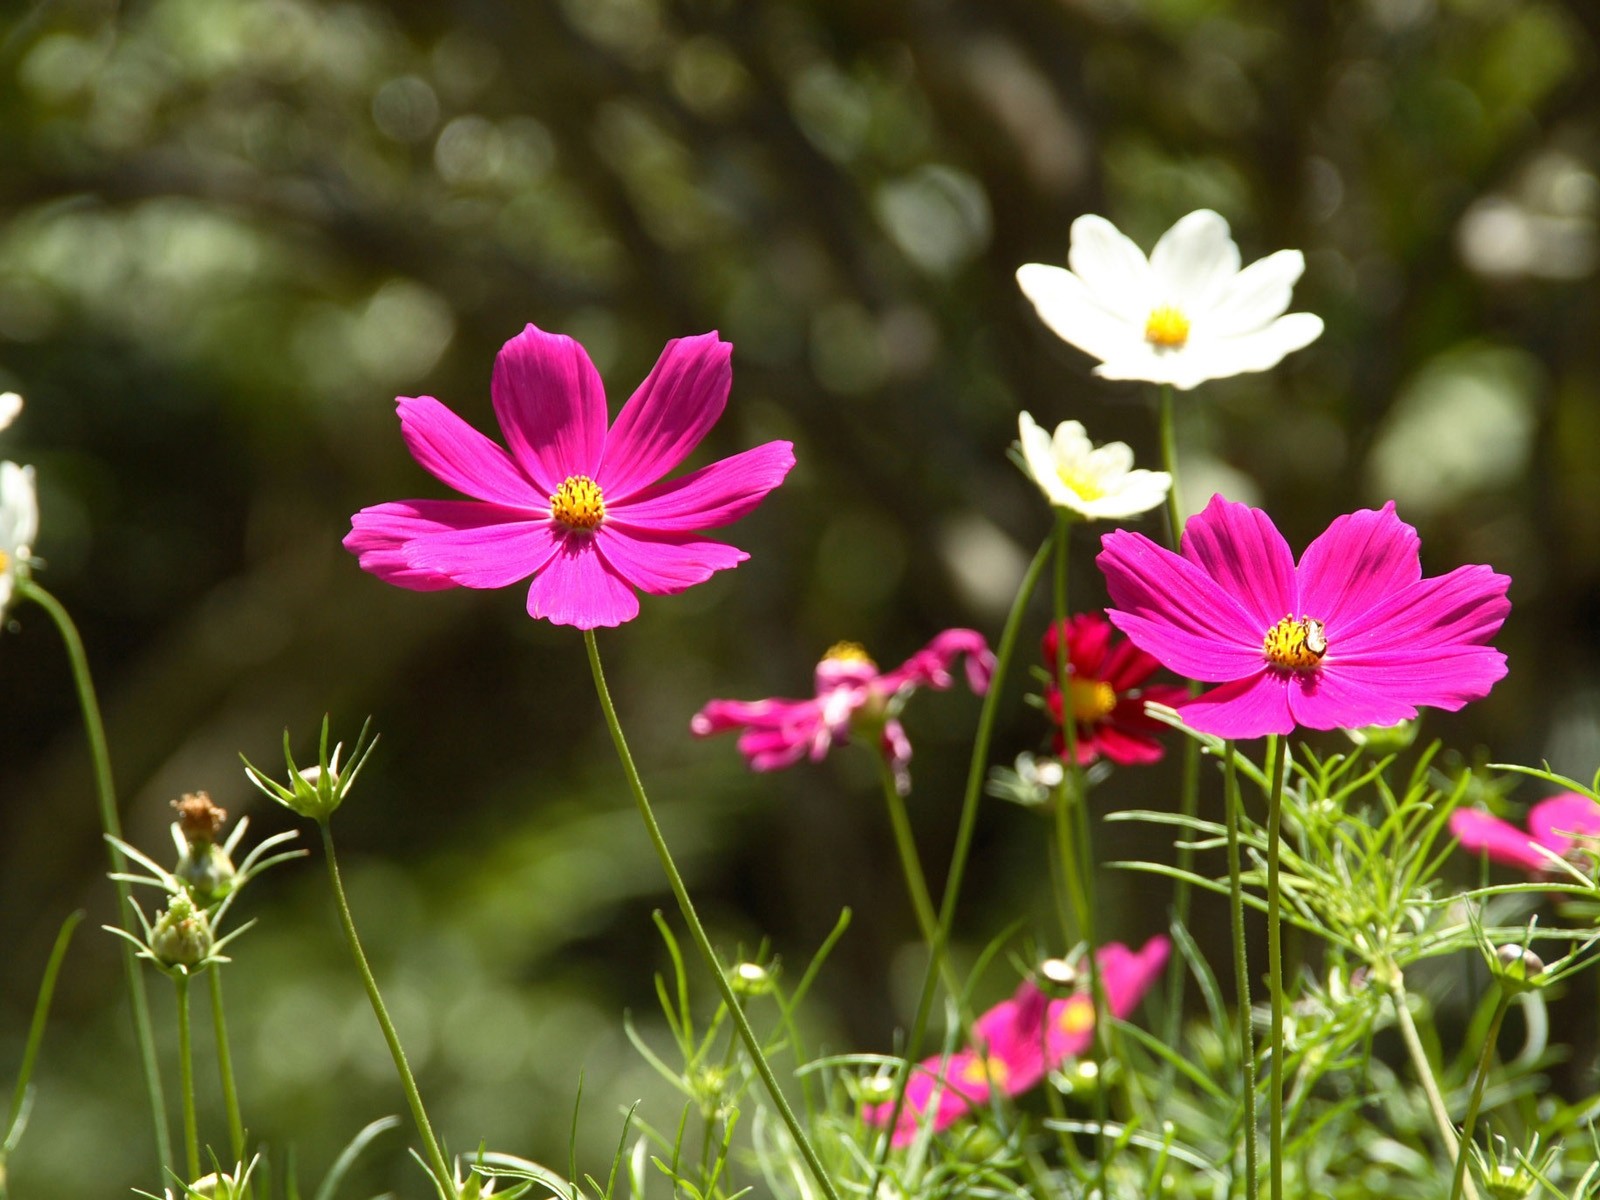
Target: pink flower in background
851,693
1105,678
567,501
1353,635
1555,824
1018,1041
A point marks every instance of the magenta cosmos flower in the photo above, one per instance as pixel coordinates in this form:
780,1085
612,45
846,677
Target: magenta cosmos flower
1018,1041
1556,824
1353,635
1106,686
567,501
852,695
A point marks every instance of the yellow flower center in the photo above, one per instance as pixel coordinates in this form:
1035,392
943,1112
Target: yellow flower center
990,1070
1298,645
5,560
1091,699
577,503
849,652
1077,1016
1080,481
1167,328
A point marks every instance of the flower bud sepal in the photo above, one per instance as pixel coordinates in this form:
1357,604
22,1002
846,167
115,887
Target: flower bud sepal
317,790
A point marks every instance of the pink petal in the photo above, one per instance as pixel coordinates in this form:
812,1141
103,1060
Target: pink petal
380,534
1176,612
576,587
723,716
1482,833
1358,562
1447,678
490,555
551,406
1465,607
1557,821
1126,666
1125,747
1244,708
930,666
1242,550
455,453
714,495
679,401
1334,698
663,566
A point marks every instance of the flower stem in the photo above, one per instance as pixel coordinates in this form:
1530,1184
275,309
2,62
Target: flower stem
1424,1069
697,931
191,1128
1189,796
436,1159
1469,1124
230,1092
1074,793
1275,770
911,866
1241,972
105,792
963,843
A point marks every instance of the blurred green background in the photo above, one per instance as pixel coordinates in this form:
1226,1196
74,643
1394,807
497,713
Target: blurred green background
231,231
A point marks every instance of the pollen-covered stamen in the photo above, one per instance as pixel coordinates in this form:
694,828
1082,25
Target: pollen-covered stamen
577,503
990,1069
1167,328
1298,645
1092,699
1085,485
849,652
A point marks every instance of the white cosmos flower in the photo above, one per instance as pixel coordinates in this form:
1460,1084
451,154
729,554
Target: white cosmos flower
19,525
1096,482
1184,315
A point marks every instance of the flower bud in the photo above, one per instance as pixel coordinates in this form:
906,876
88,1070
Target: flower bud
199,818
181,936
317,790
1519,964
750,979
208,872
1058,977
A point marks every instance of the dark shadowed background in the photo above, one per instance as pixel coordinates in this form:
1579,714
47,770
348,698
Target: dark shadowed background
231,231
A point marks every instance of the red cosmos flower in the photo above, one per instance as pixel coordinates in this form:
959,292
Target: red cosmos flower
1104,684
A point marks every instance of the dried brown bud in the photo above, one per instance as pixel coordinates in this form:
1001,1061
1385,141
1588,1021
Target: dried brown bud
199,819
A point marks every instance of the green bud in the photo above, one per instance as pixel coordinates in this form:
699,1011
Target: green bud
208,872
317,790
1519,967
1385,739
182,935
1058,977
750,979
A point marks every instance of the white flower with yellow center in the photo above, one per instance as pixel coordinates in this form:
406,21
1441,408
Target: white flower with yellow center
19,525
1096,482
1184,315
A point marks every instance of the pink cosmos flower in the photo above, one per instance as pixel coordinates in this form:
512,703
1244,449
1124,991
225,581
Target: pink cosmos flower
1105,687
1018,1041
1555,824
852,694
1353,635
574,505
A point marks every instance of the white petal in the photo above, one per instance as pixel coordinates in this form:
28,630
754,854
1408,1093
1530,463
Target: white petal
1144,361
19,510
1194,261
1112,267
1111,461
10,406
1038,454
1258,294
1265,348
1073,313
1139,492
1071,445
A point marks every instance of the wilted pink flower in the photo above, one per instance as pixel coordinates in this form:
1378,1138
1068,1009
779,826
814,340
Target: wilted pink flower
1018,1041
1351,636
852,694
1555,824
1105,678
567,501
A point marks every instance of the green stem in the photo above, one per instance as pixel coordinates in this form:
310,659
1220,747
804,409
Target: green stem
105,792
408,1082
230,1092
191,1128
1074,794
1469,1124
1189,796
697,930
1275,966
1241,971
911,867
963,843
1424,1070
